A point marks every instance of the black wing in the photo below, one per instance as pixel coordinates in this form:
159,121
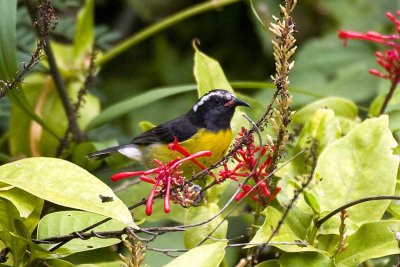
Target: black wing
181,128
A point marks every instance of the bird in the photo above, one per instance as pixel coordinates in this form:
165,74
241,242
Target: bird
206,126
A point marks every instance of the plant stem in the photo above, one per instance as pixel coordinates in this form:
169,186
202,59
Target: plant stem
254,229
157,27
388,97
313,234
319,222
58,80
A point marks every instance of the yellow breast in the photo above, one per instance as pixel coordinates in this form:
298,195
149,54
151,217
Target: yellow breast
218,143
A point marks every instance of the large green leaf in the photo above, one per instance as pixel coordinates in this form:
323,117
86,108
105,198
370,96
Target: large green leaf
305,259
208,73
372,240
65,184
286,234
66,222
209,255
130,104
193,236
351,167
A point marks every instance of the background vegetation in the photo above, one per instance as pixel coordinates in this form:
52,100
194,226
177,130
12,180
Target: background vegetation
120,63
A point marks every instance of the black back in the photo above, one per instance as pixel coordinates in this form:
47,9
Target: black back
211,112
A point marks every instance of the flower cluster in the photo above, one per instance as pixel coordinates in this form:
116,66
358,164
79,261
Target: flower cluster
250,161
390,58
167,176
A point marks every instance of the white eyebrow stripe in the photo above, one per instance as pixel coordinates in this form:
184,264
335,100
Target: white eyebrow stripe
205,98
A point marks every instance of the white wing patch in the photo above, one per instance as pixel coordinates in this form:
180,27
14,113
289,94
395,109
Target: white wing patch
132,153
206,97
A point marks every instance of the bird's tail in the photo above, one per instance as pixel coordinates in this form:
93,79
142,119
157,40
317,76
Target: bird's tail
101,154
131,151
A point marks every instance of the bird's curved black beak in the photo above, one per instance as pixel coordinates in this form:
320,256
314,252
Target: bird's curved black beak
239,102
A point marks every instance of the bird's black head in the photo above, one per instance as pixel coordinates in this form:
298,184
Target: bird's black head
215,109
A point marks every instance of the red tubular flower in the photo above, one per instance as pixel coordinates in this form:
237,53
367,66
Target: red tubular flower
250,160
165,175
389,60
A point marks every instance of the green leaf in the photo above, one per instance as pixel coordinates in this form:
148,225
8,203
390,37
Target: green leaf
349,166
20,101
23,201
32,221
322,126
193,236
371,240
208,73
84,35
66,222
342,107
272,218
20,121
127,105
306,259
53,113
8,216
312,202
209,255
300,217
8,57
65,184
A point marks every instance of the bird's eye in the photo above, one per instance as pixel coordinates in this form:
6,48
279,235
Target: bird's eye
217,101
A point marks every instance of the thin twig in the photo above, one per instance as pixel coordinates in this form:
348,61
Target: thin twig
63,242
319,222
295,243
78,104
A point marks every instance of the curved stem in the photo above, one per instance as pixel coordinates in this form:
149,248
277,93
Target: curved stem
388,97
319,222
157,27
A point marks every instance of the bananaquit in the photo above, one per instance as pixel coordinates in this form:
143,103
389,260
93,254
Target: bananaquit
205,127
